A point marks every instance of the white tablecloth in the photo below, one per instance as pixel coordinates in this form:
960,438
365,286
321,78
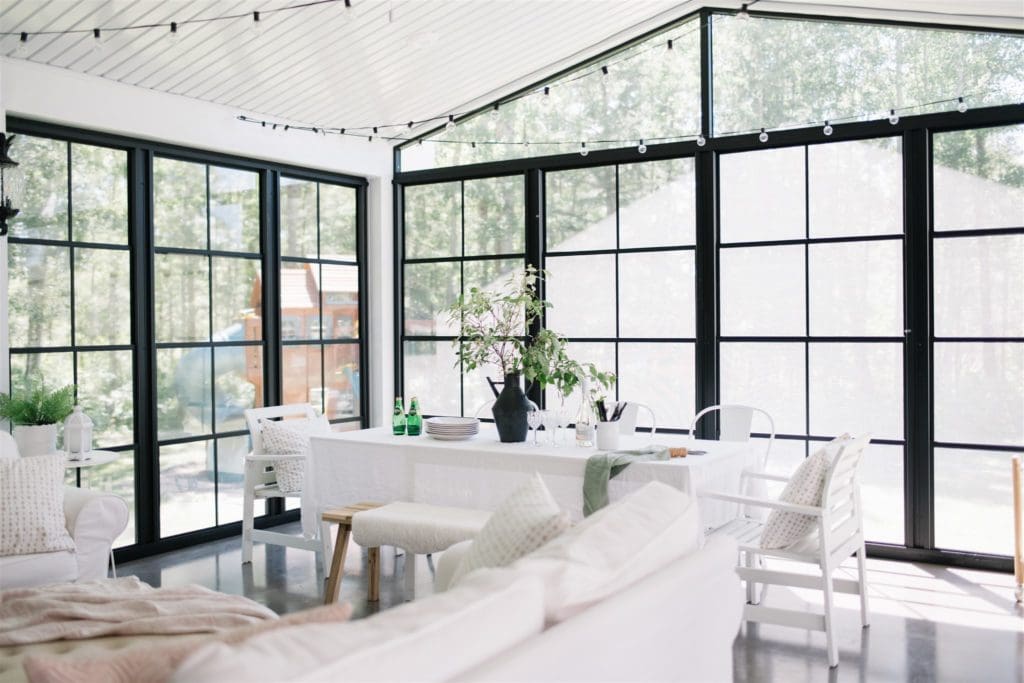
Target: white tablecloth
374,465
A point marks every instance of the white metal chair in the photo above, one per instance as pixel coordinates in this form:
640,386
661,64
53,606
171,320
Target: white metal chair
839,534
735,422
261,481
630,417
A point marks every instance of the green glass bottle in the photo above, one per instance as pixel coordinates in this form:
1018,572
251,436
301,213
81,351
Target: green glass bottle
398,419
414,422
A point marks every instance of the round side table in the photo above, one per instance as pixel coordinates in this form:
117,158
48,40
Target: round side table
90,459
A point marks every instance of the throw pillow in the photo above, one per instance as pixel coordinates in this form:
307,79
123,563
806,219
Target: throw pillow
155,664
523,522
32,513
805,487
289,437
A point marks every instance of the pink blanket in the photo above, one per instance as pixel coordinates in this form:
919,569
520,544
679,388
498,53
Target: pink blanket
124,606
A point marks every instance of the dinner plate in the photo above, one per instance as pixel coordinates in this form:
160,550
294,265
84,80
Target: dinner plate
451,437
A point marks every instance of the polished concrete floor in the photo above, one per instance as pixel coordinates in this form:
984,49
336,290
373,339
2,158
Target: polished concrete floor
928,623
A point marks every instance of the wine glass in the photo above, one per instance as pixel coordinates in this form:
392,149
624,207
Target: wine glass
534,419
564,416
550,424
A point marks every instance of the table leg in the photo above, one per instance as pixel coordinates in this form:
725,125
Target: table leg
410,575
373,571
337,565
78,477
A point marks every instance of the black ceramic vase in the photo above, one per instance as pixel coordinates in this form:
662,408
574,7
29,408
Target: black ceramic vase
510,410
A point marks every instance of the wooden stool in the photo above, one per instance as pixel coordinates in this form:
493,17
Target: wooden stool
343,518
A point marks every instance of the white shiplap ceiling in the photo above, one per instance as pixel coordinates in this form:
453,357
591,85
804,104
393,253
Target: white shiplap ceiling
380,61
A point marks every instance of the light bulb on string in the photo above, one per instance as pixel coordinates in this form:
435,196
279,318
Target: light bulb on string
827,130
174,32
604,70
701,141
98,44
642,148
547,95
743,14
583,149
451,122
893,117
494,111
961,106
763,137
22,48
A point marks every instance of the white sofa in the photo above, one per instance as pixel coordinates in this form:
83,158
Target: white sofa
630,594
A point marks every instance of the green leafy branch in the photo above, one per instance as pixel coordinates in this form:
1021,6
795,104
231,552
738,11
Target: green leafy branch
38,407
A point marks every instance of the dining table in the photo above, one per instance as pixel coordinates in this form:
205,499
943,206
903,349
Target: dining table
375,465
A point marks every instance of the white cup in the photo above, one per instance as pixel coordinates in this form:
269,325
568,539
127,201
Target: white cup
607,436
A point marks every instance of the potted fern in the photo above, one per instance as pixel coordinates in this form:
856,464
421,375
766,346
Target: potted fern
35,417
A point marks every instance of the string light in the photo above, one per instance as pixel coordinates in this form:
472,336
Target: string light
174,31
257,25
494,111
743,14
604,70
827,130
961,106
547,95
22,44
763,137
451,122
701,141
669,43
583,149
642,148
97,40
893,118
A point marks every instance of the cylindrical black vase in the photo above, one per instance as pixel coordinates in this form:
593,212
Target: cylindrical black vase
510,410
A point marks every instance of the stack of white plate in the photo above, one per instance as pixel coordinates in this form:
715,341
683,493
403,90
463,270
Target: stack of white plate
452,428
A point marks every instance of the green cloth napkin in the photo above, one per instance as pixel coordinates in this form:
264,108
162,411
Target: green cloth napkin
603,466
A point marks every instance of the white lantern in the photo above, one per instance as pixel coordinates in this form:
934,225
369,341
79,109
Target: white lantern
77,434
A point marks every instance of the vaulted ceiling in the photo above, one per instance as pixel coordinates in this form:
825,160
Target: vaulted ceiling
379,60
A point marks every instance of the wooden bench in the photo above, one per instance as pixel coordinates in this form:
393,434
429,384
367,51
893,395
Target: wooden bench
343,518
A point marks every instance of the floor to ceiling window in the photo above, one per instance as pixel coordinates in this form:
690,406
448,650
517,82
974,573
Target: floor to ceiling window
161,321
69,289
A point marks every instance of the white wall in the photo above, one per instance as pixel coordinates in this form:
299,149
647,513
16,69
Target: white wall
61,96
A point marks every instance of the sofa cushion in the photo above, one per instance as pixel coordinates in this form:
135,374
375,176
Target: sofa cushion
523,522
22,571
447,563
32,519
290,437
433,639
614,548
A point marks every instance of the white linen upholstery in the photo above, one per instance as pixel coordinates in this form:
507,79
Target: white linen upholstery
32,519
614,548
676,625
36,569
523,522
447,563
487,614
416,528
8,446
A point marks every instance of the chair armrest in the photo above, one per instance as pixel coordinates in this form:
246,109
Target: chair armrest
94,519
765,475
761,502
271,457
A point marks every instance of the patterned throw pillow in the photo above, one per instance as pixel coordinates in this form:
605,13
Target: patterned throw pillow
806,487
32,512
523,522
289,437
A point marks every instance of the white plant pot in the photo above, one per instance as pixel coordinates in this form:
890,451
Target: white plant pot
36,439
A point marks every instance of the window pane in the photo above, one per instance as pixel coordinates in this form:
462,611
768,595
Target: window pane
179,206
29,371
230,471
433,220
238,384
40,295
979,396
338,222
600,354
99,194
581,290
184,406
881,493
102,297
234,210
762,195
973,501
182,293
856,188
105,392
826,70
476,391
300,306
236,299
298,218
44,209
430,288
763,291
857,388
978,177
769,376
979,286
657,204
666,277
580,209
340,298
651,92
495,211
187,498
856,289
303,380
432,375
341,370
491,275
662,376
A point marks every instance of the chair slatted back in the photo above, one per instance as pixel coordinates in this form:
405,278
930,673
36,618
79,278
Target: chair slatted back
841,494
293,411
